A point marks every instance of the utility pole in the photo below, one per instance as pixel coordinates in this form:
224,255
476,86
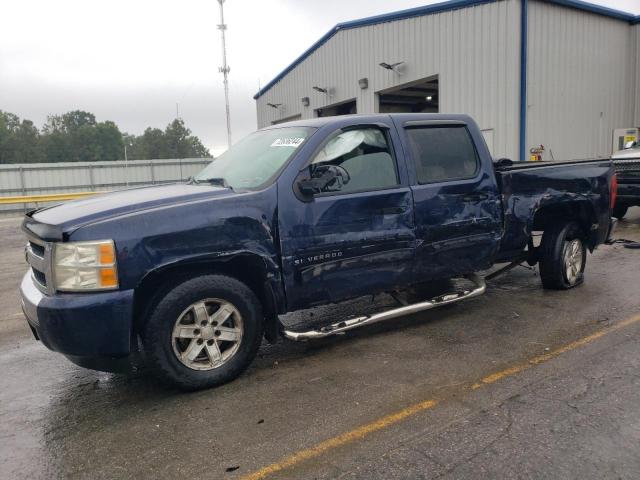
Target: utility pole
126,164
225,71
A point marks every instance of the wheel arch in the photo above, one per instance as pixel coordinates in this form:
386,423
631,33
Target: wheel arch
580,211
250,268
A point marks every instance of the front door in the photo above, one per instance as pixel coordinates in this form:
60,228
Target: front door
356,236
456,199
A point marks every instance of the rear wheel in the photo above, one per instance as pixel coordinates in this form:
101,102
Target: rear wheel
563,256
620,211
204,332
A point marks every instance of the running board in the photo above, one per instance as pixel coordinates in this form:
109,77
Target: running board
357,322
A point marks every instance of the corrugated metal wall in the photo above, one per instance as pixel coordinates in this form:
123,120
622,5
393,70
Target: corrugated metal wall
43,178
474,51
636,29
581,80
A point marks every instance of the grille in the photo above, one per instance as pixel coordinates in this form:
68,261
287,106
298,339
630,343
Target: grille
39,276
38,255
627,166
37,249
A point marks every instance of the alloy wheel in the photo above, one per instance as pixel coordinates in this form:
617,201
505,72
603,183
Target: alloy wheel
207,334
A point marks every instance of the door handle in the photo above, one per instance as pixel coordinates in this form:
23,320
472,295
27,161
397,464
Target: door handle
393,210
475,197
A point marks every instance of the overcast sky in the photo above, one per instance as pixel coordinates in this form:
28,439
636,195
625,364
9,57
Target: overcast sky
131,61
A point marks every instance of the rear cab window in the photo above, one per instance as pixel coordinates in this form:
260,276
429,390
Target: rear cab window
442,153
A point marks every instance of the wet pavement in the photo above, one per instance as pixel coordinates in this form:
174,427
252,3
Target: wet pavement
576,415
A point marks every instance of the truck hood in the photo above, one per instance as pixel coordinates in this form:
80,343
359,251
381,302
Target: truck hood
76,213
627,153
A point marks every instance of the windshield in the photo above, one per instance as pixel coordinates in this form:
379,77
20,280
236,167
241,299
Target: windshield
255,160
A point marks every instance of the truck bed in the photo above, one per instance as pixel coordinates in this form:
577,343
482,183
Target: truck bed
530,188
546,164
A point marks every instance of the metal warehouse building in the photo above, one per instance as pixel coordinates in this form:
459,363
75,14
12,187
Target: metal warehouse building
560,73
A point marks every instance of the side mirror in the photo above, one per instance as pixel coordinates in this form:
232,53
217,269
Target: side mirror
309,186
324,178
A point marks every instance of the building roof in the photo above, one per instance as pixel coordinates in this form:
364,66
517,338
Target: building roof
370,118
429,10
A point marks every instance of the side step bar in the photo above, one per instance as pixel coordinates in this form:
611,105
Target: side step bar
357,322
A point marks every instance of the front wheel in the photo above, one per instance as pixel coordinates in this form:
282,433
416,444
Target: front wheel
563,256
204,332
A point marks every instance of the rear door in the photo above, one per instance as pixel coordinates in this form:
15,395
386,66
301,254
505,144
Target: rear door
456,200
357,237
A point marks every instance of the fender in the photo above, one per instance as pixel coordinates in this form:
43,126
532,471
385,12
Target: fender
260,272
568,205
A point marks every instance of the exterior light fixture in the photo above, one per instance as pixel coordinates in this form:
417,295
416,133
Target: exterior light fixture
391,66
305,101
274,105
363,83
320,89
428,98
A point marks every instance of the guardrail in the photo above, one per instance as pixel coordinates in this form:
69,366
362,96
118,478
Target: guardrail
54,197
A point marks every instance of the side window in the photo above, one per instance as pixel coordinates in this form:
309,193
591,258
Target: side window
442,153
359,159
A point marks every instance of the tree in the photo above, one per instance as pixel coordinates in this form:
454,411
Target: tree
76,136
77,119
27,147
180,143
175,142
151,144
8,125
108,141
55,140
19,140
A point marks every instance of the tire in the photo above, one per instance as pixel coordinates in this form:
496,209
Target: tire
203,332
563,256
619,211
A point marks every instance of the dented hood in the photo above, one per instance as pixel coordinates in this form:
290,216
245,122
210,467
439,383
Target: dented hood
53,221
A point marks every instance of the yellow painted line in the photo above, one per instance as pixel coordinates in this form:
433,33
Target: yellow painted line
494,377
369,428
53,197
340,440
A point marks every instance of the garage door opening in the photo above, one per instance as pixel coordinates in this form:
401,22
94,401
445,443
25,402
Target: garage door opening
342,108
414,97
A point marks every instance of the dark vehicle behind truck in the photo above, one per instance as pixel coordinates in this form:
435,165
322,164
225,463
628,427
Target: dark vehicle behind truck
296,215
627,165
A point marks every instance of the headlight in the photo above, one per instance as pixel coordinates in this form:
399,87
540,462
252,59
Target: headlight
83,266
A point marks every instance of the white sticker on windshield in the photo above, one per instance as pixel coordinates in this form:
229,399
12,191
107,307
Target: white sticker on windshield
287,142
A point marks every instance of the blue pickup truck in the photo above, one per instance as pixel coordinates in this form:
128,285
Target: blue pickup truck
195,275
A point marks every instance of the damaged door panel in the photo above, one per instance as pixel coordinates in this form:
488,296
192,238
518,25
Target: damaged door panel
354,237
457,202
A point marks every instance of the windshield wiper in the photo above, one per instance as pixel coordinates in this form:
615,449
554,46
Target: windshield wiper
217,181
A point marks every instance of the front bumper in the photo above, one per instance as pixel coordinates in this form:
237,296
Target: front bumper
87,325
